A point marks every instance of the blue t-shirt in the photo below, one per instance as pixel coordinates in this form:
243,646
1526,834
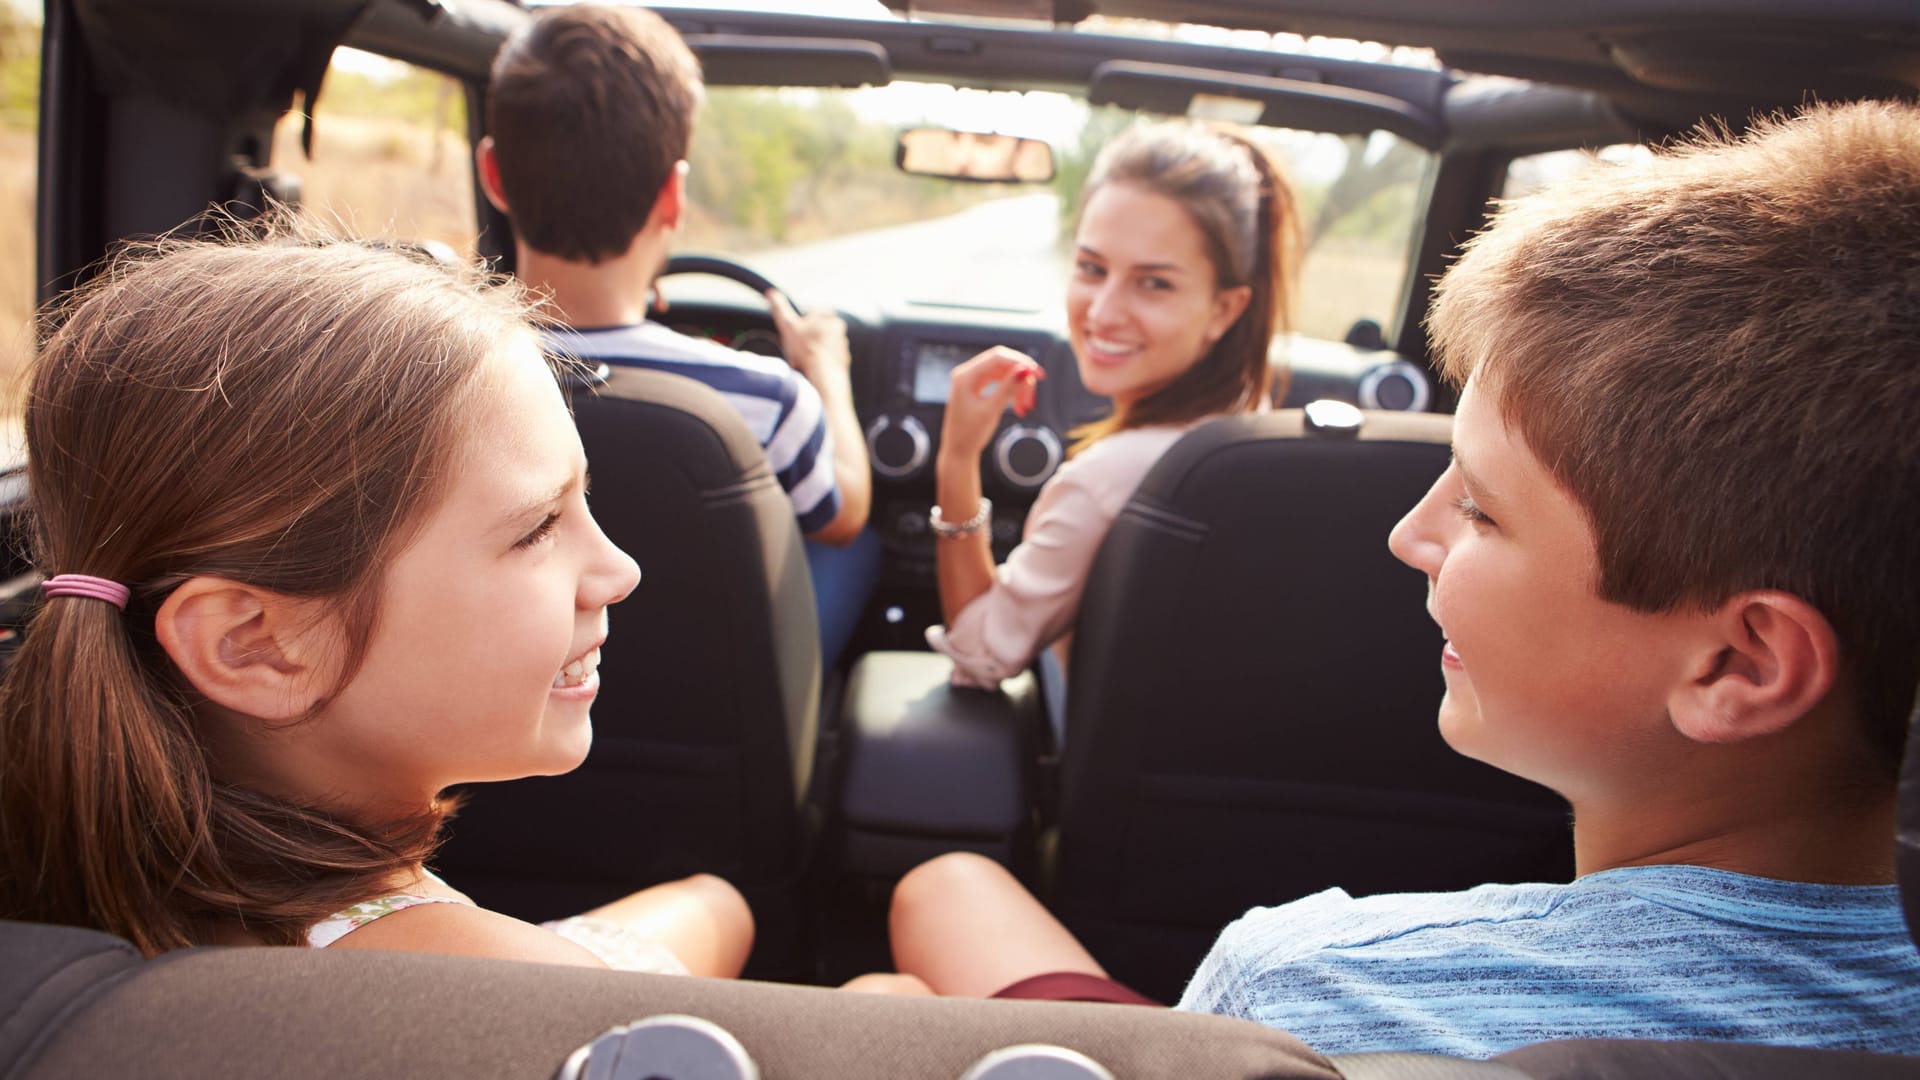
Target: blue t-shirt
1644,952
780,406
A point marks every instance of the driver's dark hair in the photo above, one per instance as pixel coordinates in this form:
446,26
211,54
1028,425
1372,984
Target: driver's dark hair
589,107
1716,353
1245,209
281,412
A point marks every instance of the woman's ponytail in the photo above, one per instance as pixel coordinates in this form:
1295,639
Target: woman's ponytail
1275,270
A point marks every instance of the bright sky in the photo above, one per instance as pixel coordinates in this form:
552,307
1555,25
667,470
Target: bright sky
1056,118
852,9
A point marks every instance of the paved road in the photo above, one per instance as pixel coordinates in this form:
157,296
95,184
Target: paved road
1002,253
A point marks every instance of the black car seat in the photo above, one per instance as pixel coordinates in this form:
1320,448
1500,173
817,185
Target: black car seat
710,681
1252,694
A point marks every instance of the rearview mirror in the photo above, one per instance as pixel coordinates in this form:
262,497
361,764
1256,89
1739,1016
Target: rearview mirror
972,155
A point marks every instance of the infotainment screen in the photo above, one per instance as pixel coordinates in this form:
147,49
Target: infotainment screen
933,364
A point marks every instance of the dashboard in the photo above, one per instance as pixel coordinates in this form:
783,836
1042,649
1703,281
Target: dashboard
902,361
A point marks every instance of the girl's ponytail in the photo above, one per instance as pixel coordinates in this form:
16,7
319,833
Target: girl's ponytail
100,799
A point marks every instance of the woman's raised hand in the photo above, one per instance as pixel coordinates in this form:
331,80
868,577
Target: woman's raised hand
982,389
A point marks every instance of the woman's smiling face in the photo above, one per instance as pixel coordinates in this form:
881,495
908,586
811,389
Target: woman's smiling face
1143,303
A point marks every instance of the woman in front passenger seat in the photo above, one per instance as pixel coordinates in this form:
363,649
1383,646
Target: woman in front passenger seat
315,520
1184,258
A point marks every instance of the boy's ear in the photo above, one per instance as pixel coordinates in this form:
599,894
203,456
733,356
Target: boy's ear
246,649
671,203
488,165
1767,659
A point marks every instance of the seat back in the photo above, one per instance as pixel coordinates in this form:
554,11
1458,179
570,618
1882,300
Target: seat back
345,1014
50,973
710,679
1252,694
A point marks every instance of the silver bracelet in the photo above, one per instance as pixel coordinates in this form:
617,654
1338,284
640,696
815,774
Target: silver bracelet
979,522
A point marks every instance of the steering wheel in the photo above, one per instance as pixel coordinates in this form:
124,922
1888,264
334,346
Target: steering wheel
719,267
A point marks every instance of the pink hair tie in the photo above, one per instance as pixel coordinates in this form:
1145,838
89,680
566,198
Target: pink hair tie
86,585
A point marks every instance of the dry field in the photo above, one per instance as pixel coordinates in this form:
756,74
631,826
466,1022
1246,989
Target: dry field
1344,280
16,259
383,178
378,178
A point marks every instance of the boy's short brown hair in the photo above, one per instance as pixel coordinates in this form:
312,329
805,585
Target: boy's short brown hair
589,108
1718,356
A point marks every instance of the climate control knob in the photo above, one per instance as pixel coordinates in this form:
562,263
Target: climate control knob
898,446
1026,455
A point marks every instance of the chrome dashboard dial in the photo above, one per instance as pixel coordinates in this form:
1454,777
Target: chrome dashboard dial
1396,385
1026,455
898,446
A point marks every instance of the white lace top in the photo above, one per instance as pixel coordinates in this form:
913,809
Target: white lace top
618,946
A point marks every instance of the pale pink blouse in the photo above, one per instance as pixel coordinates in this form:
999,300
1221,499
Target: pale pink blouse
1036,592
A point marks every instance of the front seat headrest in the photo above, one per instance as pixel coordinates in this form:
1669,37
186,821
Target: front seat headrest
1907,851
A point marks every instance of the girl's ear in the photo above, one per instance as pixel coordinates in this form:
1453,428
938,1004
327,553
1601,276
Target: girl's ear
247,649
1768,659
1228,305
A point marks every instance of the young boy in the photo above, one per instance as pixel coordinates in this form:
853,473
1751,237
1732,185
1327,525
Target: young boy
1674,559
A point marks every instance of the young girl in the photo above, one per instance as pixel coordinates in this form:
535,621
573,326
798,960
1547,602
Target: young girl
314,521
1184,258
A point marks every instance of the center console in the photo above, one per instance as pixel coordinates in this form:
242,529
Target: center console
931,768
903,433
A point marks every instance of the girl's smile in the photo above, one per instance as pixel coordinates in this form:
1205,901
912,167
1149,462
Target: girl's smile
505,609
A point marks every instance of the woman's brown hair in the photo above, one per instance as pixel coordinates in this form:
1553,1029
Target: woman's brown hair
280,412
1247,215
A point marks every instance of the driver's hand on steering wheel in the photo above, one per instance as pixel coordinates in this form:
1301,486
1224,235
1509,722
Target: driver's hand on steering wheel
814,343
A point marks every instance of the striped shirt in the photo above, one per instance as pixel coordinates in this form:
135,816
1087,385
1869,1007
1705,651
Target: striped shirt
780,406
1644,952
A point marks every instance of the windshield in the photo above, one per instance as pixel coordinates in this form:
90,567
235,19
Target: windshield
800,184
